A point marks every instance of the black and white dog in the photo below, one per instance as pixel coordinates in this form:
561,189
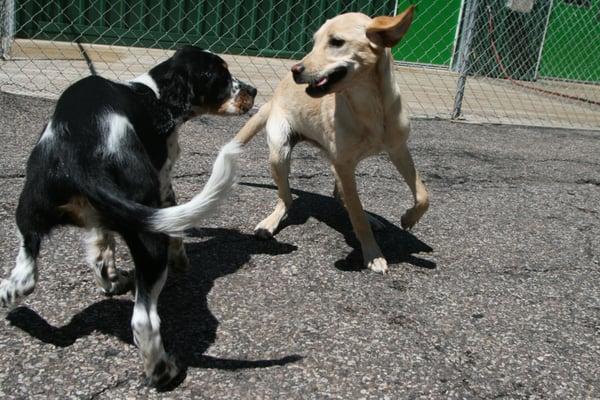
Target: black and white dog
103,163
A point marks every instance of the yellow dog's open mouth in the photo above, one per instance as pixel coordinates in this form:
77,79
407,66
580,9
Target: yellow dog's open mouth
321,85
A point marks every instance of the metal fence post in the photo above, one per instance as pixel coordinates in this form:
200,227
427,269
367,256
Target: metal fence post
464,53
7,27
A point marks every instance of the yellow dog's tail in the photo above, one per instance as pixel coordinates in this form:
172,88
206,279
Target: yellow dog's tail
254,124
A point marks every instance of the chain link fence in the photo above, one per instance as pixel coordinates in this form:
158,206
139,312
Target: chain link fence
532,62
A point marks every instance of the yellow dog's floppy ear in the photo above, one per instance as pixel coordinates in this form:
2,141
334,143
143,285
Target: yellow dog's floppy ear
387,31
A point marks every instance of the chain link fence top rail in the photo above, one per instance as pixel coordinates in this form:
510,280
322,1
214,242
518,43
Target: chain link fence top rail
532,62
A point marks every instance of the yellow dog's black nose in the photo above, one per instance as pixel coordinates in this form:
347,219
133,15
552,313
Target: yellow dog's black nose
297,70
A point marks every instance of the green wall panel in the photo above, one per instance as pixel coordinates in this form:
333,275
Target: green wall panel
572,45
272,28
430,39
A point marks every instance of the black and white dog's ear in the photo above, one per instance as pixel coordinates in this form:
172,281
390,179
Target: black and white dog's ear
175,99
176,90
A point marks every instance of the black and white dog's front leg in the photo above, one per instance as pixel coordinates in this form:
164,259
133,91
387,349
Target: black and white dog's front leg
101,258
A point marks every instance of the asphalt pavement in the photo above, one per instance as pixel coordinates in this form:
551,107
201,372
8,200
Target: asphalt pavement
494,294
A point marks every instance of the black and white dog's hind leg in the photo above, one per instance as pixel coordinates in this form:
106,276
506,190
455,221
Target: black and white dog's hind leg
177,259
101,258
149,252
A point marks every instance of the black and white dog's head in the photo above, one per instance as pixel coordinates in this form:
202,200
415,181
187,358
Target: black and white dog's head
194,82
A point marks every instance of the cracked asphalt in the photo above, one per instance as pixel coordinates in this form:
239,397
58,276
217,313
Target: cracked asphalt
494,294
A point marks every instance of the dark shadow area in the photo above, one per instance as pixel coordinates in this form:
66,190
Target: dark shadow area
397,244
188,326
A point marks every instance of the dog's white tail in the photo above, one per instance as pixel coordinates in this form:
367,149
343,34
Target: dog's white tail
174,220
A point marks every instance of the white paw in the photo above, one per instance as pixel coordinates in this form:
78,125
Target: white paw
378,264
8,295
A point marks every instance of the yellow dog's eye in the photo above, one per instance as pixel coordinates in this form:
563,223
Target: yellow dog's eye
336,42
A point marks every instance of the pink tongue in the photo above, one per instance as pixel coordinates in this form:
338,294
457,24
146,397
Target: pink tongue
322,81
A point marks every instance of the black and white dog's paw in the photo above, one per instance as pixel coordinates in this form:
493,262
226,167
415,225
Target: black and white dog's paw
165,374
7,294
11,294
119,283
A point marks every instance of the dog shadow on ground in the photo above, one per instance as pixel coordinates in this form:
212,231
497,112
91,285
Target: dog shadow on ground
397,244
188,327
